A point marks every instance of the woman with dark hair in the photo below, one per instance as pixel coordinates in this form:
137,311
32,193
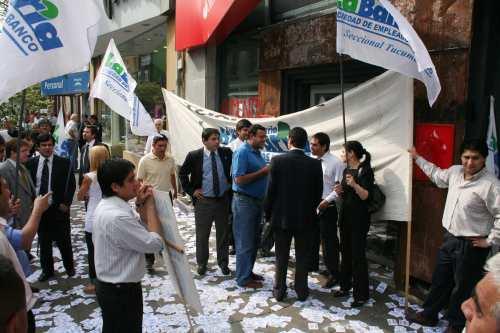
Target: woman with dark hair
355,188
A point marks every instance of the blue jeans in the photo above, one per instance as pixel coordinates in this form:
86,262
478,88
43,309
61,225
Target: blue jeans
247,216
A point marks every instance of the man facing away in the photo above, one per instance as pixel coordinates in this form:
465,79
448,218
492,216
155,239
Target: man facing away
333,169
471,221
121,238
51,173
158,170
249,173
206,177
242,129
293,194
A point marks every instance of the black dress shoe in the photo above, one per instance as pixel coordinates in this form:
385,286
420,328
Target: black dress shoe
45,276
202,270
357,304
34,289
341,293
419,318
256,277
71,272
225,270
232,252
302,298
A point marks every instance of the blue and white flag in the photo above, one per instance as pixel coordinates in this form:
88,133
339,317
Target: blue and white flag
375,32
42,39
493,159
115,87
60,136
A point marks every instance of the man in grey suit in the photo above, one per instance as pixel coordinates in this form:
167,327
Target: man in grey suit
26,189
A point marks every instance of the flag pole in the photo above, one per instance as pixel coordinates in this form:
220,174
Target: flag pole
18,144
342,92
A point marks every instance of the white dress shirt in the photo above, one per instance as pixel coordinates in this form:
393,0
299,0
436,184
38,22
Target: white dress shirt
333,169
472,206
235,144
120,242
39,171
7,251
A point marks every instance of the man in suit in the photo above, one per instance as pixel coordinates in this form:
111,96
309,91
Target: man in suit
89,136
26,188
206,177
51,173
293,194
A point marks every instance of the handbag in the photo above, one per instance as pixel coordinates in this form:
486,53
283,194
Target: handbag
376,199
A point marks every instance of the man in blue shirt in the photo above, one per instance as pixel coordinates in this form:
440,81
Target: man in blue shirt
249,172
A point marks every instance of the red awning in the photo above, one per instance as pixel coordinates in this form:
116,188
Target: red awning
202,22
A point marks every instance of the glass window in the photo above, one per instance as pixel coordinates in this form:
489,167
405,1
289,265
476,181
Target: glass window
239,76
287,9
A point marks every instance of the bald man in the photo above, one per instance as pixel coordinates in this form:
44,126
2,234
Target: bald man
159,128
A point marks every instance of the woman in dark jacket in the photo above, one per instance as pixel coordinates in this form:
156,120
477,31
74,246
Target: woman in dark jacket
355,190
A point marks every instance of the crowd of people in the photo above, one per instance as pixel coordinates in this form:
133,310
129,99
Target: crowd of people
322,202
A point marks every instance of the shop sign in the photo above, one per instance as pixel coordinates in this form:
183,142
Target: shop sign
69,84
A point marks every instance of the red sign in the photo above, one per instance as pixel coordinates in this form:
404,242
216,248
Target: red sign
241,107
435,143
201,22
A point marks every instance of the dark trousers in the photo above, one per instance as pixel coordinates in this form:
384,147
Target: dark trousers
458,269
61,234
314,245
283,239
354,266
206,211
329,239
90,255
31,322
121,307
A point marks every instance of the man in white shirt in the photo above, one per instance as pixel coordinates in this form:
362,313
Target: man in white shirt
159,128
242,128
327,210
121,238
471,221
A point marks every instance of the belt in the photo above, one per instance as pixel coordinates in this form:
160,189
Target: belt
247,195
215,198
120,285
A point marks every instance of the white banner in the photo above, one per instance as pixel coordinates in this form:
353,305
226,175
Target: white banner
379,114
493,160
375,32
60,134
115,87
176,263
43,39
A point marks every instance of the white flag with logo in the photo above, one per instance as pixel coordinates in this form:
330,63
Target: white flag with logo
493,159
42,39
115,87
375,32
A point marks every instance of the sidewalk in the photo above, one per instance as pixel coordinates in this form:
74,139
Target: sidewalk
64,307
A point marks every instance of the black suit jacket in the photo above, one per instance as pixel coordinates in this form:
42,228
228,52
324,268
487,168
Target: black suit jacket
294,190
85,163
191,172
61,194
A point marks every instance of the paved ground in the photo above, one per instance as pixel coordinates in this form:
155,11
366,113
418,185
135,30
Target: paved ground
63,307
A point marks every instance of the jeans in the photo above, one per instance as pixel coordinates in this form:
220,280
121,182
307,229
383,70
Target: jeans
247,216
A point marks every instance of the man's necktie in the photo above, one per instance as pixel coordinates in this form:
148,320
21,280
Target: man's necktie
215,175
44,182
86,162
